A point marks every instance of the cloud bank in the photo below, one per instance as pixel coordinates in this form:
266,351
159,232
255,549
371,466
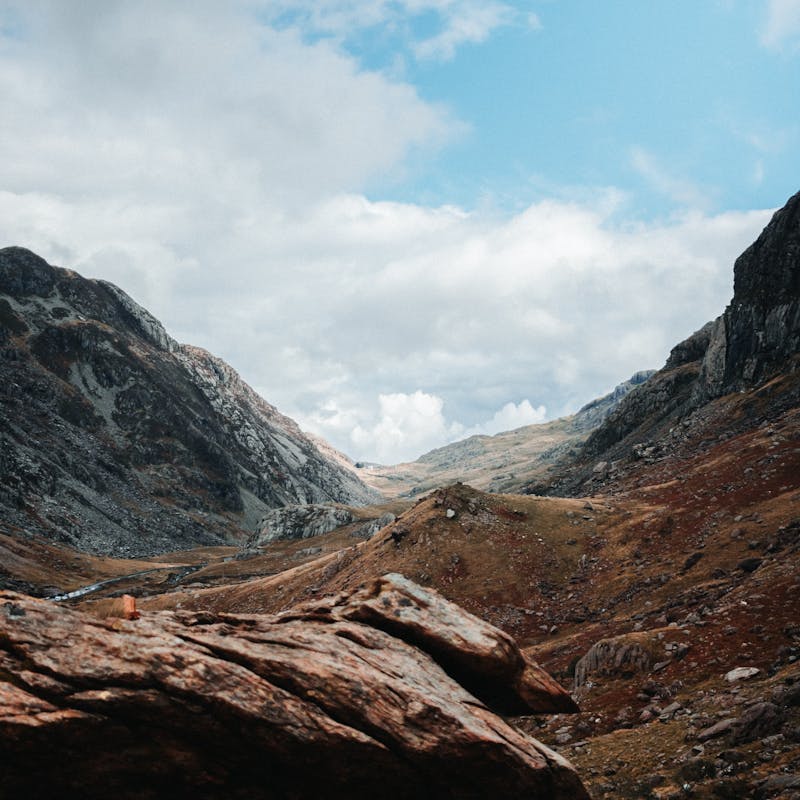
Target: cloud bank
217,164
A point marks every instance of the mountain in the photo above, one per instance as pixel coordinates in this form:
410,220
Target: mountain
662,592
116,439
736,372
504,462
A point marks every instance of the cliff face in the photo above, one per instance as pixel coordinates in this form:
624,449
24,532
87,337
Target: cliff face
760,329
756,339
116,439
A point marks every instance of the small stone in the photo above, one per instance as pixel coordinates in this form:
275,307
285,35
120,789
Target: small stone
450,513
741,674
780,783
718,729
670,710
750,564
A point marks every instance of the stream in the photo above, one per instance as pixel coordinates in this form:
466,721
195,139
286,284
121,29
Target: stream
93,587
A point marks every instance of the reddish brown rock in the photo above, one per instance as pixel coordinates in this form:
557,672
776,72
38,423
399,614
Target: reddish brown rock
388,691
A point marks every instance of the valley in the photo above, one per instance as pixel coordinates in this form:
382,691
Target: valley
643,554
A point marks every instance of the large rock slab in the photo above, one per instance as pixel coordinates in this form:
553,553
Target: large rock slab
387,691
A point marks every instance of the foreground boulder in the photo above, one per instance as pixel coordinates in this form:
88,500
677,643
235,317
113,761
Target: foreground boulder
387,691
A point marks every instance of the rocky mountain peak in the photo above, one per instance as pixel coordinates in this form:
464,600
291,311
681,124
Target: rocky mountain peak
760,329
768,272
24,273
116,439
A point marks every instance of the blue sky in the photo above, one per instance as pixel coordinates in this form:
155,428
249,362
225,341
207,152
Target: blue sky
665,100
405,221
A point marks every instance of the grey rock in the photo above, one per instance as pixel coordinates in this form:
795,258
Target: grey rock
618,656
299,522
741,674
760,719
778,784
369,529
717,729
788,696
750,564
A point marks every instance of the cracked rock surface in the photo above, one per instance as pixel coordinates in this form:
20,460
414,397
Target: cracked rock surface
390,690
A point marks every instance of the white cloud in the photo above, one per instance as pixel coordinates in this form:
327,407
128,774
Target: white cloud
510,417
199,100
408,424
404,425
557,304
468,23
534,22
781,28
457,22
678,189
215,167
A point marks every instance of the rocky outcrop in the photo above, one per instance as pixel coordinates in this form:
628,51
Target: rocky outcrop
387,691
303,522
760,330
116,439
299,522
371,527
629,653
597,411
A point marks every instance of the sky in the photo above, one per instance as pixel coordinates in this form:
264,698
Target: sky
405,221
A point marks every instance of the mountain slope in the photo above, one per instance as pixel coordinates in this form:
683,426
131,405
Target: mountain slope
749,355
504,462
116,439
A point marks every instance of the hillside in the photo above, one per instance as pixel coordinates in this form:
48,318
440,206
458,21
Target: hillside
504,462
116,439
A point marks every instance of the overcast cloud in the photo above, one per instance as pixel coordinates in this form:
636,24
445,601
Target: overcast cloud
213,160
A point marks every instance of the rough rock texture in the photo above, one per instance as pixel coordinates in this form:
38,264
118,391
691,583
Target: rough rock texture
629,654
597,411
299,522
618,656
116,439
369,529
304,522
755,339
385,692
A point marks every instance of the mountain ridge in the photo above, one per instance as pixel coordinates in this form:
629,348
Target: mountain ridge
118,439
755,339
